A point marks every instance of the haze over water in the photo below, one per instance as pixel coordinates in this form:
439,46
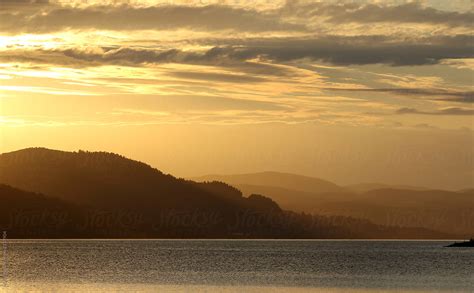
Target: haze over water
236,265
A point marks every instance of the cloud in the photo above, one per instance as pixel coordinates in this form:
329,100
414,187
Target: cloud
455,96
354,50
293,16
412,12
220,77
196,102
20,8
350,50
425,126
407,111
445,111
20,2
468,98
163,17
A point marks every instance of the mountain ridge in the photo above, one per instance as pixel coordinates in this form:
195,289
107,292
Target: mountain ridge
442,210
106,183
274,178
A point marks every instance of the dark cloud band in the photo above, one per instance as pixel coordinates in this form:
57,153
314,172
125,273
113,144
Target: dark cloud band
446,111
336,50
126,18
373,13
294,16
450,96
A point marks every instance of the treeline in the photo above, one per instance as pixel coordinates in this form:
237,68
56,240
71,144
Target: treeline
30,215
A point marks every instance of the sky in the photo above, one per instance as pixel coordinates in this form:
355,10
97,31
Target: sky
349,91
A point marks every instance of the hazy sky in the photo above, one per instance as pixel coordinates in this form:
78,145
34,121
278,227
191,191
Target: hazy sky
350,91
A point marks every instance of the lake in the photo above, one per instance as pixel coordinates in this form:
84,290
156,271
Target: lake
237,266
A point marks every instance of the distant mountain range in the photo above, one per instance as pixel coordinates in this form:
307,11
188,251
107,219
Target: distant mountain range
49,193
383,204
276,179
364,187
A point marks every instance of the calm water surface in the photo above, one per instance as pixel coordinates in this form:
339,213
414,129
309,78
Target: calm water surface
237,266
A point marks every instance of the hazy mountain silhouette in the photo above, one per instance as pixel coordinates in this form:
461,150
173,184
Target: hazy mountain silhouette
289,199
364,187
99,194
110,180
276,179
441,210
468,190
32,215
298,182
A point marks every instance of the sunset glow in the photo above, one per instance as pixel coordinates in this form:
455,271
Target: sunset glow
303,70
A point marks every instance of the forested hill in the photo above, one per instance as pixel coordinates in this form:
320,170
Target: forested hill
109,180
56,194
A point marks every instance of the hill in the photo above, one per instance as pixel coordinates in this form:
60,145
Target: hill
32,215
441,210
364,187
105,195
111,181
276,179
